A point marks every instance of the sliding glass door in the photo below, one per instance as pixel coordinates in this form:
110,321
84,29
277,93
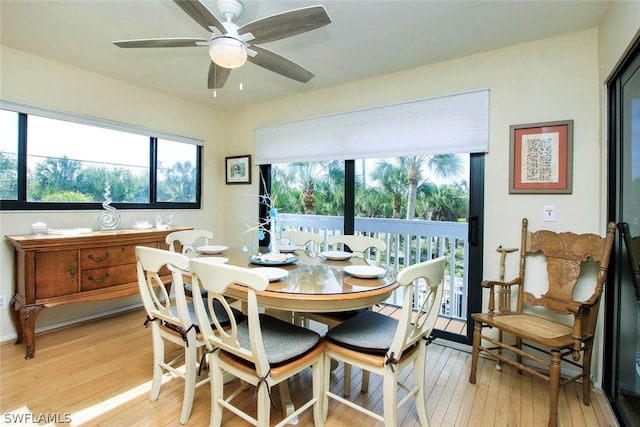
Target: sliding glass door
622,336
421,206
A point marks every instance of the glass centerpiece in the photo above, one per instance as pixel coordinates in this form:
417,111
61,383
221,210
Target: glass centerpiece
109,218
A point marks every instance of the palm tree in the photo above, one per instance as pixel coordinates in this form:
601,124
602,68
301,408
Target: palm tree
308,174
285,195
393,180
54,175
446,165
449,203
413,166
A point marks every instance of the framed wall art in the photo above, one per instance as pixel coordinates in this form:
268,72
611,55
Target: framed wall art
540,157
238,169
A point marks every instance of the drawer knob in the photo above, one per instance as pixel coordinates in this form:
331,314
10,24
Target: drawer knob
96,259
105,277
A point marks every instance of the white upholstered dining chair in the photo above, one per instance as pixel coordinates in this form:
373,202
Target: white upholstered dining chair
384,345
188,240
262,350
171,320
307,240
359,246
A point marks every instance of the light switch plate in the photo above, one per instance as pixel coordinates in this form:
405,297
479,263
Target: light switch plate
549,213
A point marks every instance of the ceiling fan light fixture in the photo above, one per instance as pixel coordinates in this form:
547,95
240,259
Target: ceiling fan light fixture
228,52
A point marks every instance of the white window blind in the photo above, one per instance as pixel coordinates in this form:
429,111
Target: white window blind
448,124
94,121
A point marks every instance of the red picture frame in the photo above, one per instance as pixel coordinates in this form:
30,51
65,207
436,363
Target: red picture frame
541,157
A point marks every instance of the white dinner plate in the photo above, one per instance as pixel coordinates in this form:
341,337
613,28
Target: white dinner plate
287,248
141,226
365,271
271,273
285,259
211,249
214,259
69,231
336,255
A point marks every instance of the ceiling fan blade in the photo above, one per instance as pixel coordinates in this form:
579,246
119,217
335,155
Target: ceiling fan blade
280,65
217,76
286,24
173,42
201,14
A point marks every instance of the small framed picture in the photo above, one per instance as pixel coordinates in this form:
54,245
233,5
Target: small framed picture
238,169
540,158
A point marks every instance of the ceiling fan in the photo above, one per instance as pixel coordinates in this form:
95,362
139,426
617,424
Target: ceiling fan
230,45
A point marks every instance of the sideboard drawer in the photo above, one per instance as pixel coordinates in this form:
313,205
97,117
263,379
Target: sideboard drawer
98,278
106,256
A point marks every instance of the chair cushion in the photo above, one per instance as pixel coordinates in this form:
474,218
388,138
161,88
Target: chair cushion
221,314
368,332
342,315
188,290
282,341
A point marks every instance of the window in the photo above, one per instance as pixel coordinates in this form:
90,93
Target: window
177,172
413,176
312,188
61,161
8,156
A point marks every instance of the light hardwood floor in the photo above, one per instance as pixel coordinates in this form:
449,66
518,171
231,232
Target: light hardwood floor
98,374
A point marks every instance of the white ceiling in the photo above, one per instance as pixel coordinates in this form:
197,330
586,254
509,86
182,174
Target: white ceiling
366,38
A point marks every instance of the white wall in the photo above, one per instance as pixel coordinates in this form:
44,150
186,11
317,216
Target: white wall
546,80
40,82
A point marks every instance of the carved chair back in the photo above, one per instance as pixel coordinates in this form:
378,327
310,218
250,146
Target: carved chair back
565,253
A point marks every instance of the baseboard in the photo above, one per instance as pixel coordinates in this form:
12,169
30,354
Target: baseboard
67,323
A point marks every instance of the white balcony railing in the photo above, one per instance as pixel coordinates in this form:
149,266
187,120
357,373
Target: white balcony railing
408,242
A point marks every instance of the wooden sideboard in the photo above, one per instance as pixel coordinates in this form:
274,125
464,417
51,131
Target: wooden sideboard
53,270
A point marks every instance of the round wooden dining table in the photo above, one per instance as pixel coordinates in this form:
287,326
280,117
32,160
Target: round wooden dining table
315,284
310,284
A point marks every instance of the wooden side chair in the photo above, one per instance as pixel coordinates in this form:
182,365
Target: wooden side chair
188,240
262,350
535,323
359,245
172,321
633,253
384,345
307,240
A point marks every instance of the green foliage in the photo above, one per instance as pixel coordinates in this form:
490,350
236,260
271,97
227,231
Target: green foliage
318,188
67,196
8,176
178,184
64,180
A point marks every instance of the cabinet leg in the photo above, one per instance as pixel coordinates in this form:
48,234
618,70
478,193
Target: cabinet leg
14,311
28,317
